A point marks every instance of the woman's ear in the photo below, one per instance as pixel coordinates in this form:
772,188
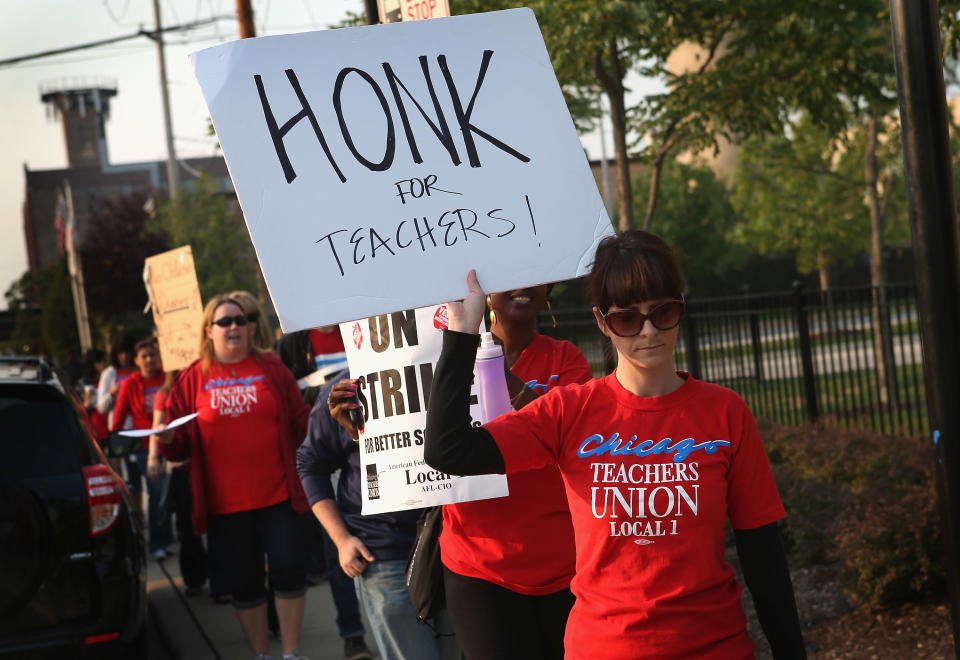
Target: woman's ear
600,324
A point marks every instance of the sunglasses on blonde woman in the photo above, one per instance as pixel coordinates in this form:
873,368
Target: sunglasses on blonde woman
629,322
239,319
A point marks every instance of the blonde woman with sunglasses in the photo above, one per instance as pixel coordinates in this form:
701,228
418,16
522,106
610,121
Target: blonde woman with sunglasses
654,463
242,449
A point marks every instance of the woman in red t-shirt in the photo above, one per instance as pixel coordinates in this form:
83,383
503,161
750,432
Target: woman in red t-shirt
242,449
508,561
654,463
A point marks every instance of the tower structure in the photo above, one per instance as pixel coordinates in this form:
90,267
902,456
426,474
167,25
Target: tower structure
83,110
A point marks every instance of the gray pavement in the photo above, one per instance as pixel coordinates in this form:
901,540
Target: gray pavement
196,628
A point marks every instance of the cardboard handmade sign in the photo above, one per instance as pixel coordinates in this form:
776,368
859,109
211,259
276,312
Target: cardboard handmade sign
393,357
171,282
376,165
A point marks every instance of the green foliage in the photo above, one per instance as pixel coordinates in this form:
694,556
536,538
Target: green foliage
864,500
43,307
351,19
804,194
697,218
206,220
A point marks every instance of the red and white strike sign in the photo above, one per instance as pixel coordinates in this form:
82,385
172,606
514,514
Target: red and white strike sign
415,10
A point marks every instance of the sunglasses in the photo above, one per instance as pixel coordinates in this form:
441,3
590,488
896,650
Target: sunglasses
629,322
239,319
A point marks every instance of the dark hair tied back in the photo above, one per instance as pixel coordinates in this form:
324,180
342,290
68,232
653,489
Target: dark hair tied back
631,267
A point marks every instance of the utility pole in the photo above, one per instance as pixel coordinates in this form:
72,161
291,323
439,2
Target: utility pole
173,170
373,13
245,19
936,245
75,268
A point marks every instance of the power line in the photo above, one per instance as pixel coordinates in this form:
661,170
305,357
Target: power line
103,42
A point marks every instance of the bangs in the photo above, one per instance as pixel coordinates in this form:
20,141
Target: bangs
631,267
633,278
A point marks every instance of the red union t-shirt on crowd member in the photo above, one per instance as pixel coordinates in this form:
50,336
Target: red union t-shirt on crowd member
135,399
649,504
238,425
189,441
534,521
329,355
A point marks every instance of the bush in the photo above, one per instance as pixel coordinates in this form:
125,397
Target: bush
864,500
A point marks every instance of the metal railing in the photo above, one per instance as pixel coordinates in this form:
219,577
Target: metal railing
796,355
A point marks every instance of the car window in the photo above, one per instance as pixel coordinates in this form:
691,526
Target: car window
40,437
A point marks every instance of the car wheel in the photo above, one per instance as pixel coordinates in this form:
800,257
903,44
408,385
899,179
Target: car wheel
24,539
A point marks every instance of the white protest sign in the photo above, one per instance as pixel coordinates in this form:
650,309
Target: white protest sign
385,161
393,357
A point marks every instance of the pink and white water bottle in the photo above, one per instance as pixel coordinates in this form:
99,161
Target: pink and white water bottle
491,379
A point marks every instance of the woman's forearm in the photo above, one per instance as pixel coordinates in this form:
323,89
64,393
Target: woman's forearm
768,578
452,444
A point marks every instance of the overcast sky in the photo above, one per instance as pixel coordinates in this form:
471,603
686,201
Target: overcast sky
135,128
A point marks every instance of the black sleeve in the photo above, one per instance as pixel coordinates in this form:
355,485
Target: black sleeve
768,579
451,444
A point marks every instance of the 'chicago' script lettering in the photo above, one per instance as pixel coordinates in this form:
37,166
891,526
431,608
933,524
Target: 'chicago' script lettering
596,445
224,382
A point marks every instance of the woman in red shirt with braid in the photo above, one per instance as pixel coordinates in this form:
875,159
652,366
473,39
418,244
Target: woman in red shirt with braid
242,449
654,462
508,561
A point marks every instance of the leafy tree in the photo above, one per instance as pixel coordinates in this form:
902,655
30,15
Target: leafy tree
45,323
204,218
698,219
594,45
117,241
828,199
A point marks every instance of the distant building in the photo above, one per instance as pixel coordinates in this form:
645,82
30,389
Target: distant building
83,111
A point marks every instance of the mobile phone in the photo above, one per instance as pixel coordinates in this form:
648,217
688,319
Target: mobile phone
356,414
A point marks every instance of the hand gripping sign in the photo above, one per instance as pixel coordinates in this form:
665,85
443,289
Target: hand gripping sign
376,165
393,357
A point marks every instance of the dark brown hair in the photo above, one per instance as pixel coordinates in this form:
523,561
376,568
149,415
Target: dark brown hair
631,267
122,343
144,343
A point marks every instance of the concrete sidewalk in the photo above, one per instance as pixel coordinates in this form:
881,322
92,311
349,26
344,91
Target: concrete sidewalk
196,628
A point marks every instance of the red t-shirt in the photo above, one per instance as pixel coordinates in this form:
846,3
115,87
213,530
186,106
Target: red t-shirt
113,422
329,355
523,542
239,427
650,482
100,424
136,398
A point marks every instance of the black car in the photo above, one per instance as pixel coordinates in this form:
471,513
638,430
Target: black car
72,552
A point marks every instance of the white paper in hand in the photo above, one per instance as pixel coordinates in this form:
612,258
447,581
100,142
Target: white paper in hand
142,433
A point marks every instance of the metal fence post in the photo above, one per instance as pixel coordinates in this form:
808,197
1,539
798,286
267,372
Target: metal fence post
693,354
757,346
806,353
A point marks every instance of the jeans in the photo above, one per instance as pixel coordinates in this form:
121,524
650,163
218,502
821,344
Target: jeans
386,601
343,591
161,531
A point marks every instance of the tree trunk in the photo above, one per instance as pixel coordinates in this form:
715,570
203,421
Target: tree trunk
882,334
826,293
824,270
653,194
611,81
